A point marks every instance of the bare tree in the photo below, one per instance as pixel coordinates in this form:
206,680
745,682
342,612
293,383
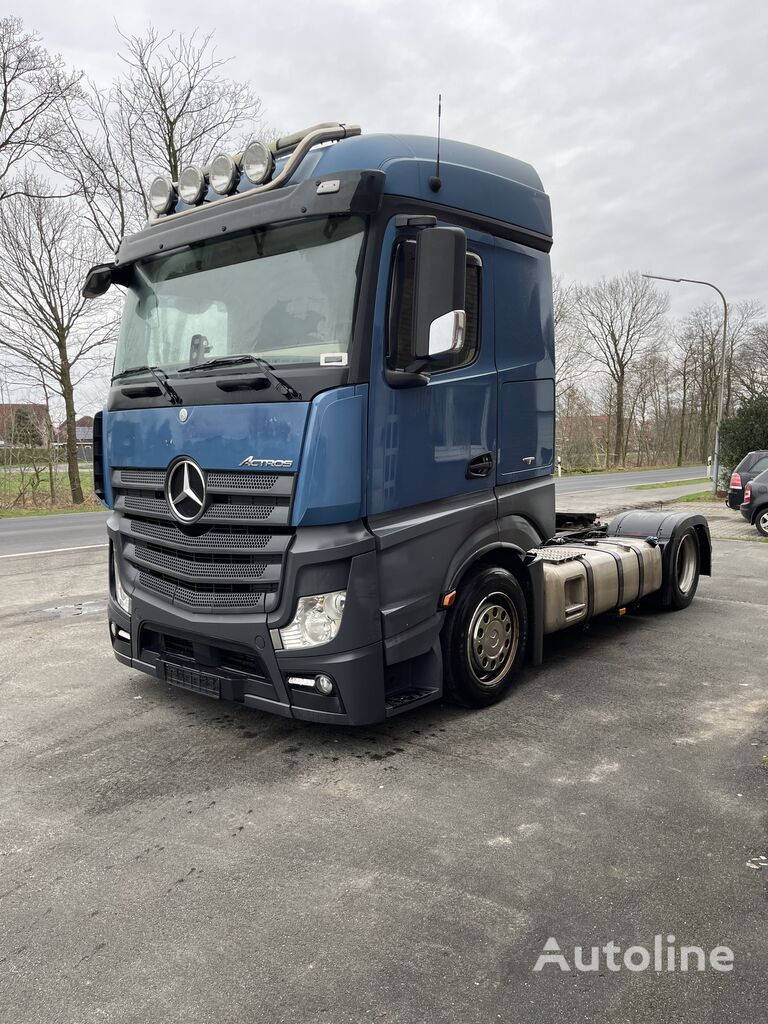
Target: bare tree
702,333
32,84
50,332
619,316
751,365
170,107
572,363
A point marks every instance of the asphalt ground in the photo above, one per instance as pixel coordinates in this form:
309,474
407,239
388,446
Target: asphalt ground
168,858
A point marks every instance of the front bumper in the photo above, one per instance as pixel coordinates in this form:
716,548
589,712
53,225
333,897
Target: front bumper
234,659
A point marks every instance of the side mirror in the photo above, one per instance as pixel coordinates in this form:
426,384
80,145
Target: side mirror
98,280
440,281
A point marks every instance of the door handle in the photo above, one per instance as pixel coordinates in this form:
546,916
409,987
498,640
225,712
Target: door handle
480,466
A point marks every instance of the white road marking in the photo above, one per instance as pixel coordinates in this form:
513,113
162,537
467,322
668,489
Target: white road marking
54,551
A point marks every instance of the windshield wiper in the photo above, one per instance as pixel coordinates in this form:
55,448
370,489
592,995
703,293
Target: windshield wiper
161,378
277,383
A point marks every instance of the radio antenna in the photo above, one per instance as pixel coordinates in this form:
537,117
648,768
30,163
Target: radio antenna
435,182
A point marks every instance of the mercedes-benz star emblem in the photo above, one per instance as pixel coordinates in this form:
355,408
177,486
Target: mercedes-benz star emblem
185,491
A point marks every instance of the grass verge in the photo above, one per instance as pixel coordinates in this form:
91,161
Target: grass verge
38,502
697,496
671,483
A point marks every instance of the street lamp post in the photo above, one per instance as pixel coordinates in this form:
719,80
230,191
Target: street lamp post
721,397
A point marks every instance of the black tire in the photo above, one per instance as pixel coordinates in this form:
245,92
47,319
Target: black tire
684,567
761,521
485,638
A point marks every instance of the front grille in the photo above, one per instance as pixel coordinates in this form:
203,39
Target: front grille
230,560
199,565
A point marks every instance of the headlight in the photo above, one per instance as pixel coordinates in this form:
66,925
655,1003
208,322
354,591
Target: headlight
258,162
123,599
162,195
191,185
223,174
316,621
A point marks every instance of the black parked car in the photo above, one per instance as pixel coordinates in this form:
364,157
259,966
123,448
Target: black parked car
755,505
750,466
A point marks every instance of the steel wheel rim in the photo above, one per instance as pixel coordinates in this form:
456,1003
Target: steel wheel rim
686,562
764,522
492,639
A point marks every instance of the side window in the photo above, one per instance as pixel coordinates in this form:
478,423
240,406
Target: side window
760,466
399,351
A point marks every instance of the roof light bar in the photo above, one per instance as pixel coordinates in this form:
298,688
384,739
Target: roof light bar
257,162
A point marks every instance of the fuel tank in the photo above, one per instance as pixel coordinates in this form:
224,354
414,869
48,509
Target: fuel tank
586,579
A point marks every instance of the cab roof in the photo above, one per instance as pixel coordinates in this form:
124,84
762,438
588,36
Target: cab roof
475,180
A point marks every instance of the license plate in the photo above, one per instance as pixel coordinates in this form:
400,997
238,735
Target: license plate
193,680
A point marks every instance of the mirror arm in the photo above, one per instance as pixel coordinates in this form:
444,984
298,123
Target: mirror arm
405,378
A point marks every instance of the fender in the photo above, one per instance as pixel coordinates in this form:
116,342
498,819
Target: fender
665,528
481,548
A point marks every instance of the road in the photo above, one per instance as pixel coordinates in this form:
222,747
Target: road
80,530
632,478
83,529
166,857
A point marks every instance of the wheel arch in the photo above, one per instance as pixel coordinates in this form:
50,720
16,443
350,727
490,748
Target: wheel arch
526,568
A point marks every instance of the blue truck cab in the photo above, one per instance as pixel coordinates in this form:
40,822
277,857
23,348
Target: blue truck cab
328,444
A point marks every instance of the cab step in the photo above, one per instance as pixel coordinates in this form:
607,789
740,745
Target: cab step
407,699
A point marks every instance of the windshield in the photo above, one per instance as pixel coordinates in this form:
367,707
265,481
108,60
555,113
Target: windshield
284,293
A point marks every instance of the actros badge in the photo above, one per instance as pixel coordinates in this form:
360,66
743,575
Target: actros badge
267,463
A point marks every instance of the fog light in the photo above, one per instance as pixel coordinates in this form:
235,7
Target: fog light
258,163
223,174
191,185
324,684
162,195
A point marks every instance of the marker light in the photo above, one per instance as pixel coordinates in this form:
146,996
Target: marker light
258,163
191,185
223,174
316,621
162,195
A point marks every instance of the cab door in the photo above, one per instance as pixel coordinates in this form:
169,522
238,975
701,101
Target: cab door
437,442
524,356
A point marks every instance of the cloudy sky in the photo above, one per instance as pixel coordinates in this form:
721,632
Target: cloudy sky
645,119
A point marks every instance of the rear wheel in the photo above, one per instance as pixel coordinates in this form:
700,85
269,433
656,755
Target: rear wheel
761,522
485,637
685,569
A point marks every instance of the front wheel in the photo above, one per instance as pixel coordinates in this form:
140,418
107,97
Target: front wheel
485,637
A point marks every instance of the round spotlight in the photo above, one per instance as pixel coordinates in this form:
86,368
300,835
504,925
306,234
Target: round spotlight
192,185
162,195
258,163
223,174
324,684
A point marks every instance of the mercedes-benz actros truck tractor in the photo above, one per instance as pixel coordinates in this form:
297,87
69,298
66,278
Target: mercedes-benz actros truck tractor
329,440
